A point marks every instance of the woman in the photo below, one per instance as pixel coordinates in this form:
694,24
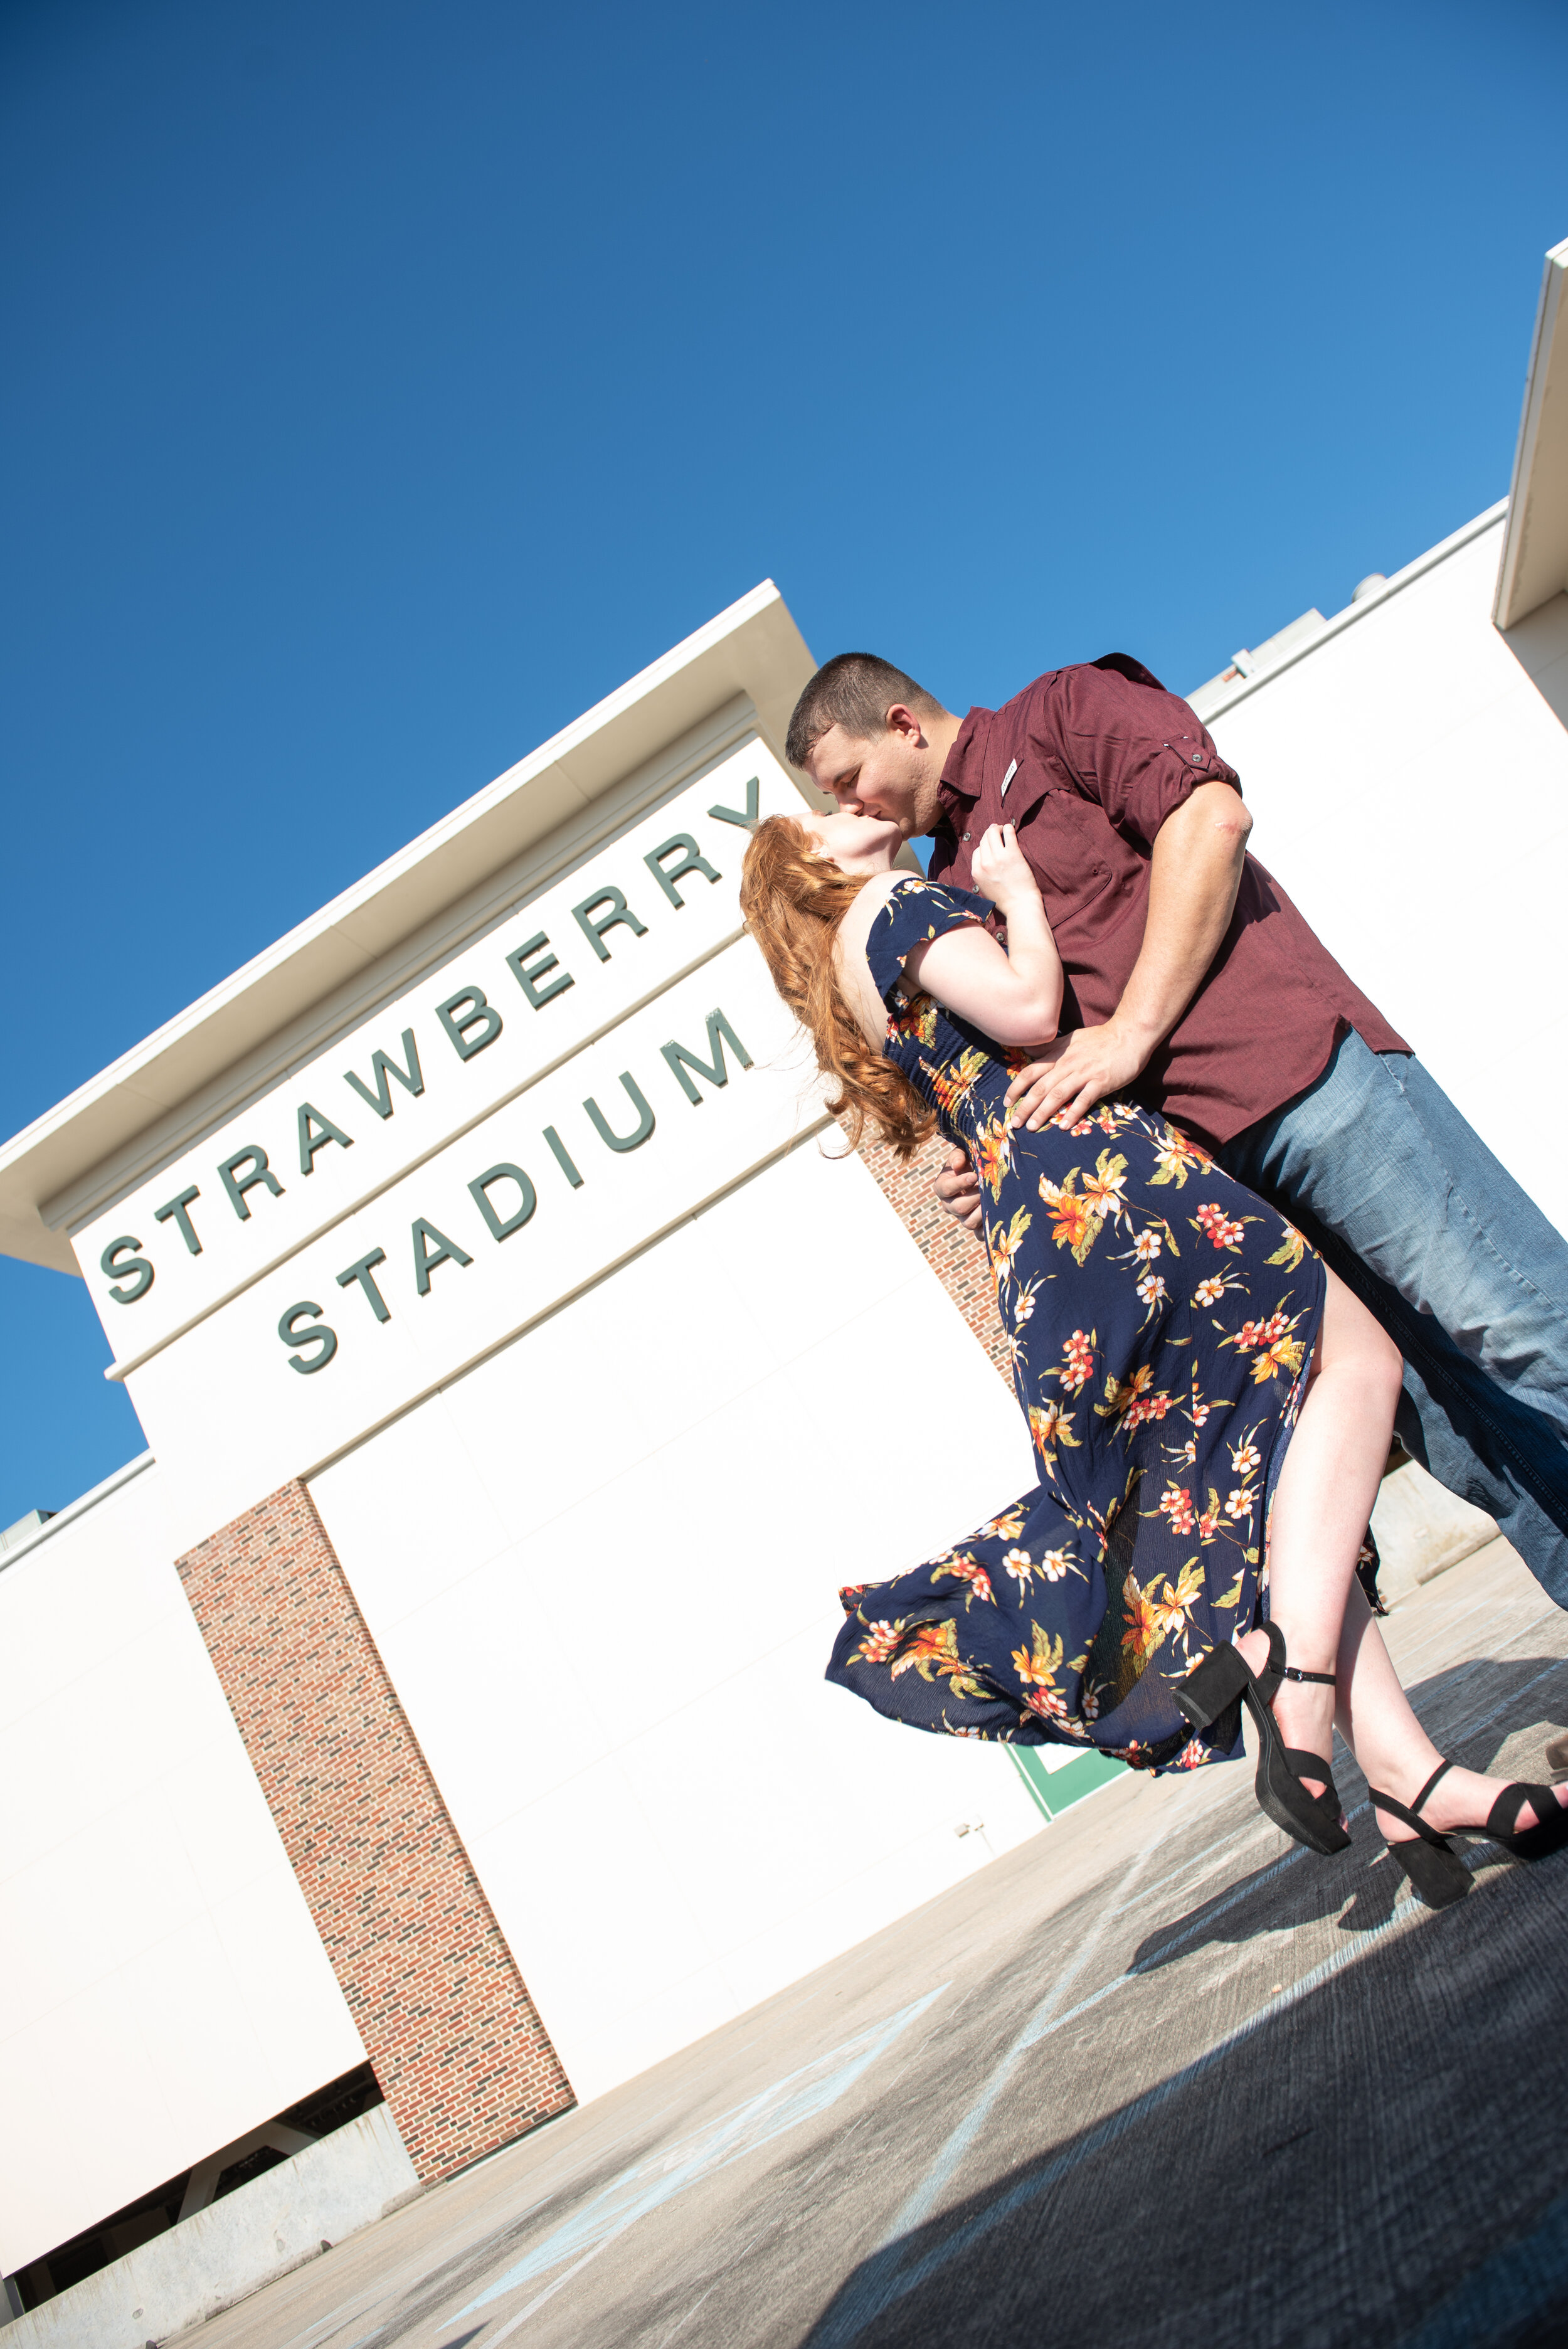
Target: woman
1211,1408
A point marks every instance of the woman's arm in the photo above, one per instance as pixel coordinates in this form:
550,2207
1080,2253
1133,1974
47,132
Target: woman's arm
1016,997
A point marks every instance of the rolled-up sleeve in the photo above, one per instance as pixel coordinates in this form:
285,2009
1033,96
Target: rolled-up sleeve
1139,750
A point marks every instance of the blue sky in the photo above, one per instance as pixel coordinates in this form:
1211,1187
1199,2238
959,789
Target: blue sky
385,383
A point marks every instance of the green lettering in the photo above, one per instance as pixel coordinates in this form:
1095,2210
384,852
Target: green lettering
133,1268
383,1067
719,1034
644,1117
426,1260
692,861
562,1157
748,822
479,1191
361,1272
465,1011
320,1336
529,979
237,1184
309,1143
593,931
177,1211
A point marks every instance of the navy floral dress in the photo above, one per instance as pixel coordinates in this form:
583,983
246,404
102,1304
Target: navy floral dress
1160,1320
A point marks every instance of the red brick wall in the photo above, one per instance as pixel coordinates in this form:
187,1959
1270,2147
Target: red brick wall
460,2050
958,1257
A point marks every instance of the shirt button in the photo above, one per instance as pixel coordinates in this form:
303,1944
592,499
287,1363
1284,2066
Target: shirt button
966,836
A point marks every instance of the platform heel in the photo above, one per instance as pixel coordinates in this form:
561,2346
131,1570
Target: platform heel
1438,1875
1435,1871
1224,1678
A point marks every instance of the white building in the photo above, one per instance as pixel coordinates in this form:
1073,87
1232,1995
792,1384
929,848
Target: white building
1407,764
561,1172
443,1690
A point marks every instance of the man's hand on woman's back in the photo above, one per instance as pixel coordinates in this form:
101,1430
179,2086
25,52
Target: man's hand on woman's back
958,1188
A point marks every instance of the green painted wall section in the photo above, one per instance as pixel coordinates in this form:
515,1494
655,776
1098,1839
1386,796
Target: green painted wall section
1051,1791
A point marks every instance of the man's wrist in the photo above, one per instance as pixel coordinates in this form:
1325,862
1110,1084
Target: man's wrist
1139,1036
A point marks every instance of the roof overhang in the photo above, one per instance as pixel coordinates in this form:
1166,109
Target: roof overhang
1534,562
752,651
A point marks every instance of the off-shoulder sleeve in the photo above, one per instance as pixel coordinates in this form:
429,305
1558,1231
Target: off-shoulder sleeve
916,912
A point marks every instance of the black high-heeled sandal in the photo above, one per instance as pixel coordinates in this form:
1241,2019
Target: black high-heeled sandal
1224,1679
1550,1832
1437,1873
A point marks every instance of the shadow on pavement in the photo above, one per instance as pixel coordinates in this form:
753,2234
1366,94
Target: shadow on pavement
1473,1709
1294,1888
1381,2157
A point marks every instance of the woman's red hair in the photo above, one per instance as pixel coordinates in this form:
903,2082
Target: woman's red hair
794,898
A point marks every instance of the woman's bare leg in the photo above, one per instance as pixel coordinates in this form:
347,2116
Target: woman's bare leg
1394,1753
1321,1503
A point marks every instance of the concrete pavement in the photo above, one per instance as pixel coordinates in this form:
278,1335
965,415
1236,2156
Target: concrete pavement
1156,2078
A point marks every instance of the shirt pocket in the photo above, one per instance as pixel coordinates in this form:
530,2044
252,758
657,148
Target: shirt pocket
1074,852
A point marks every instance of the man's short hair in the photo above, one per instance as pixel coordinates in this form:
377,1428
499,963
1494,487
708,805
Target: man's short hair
854,690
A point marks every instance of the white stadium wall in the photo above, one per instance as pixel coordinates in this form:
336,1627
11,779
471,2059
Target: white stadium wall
524,1375
601,1569
162,1988
586,1476
1408,775
593,1488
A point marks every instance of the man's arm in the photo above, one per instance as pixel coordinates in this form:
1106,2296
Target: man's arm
1196,870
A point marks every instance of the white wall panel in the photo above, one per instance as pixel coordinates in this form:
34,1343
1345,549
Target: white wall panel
162,1988
1409,782
672,1814
600,1562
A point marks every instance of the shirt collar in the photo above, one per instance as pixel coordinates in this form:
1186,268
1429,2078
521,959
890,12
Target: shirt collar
960,785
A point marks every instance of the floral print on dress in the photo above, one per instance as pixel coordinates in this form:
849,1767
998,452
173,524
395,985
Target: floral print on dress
1159,1321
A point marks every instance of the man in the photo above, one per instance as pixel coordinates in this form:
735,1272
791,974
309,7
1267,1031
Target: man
1195,985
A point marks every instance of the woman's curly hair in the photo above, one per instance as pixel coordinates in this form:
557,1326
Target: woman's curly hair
794,898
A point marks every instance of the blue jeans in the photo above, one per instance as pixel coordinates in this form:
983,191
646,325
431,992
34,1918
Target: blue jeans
1414,1214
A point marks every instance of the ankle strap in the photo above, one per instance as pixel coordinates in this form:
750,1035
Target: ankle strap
1420,1802
1278,1668
1411,1813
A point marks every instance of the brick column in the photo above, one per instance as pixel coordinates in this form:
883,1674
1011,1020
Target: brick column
463,2057
958,1257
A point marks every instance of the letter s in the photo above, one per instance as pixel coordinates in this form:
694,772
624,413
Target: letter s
327,1339
132,1268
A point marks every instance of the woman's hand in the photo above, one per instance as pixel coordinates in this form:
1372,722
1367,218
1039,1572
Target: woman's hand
1001,870
1013,993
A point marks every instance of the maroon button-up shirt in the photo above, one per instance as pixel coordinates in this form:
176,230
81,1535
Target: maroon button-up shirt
1086,764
